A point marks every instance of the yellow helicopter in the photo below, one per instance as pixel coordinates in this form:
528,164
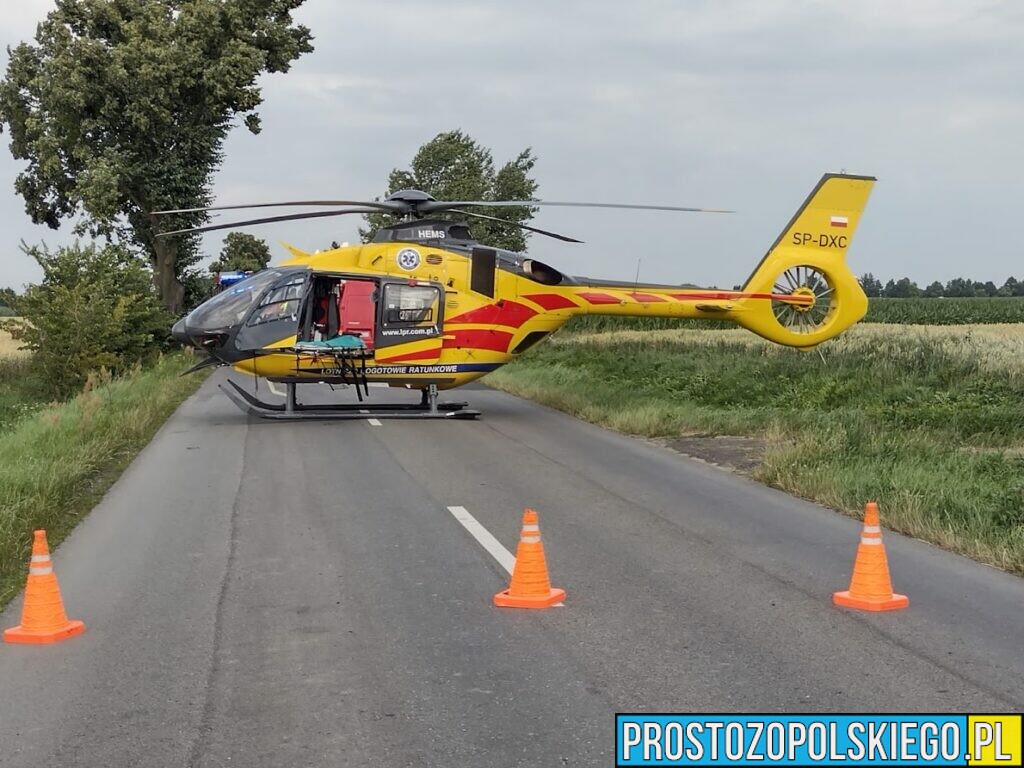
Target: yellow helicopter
425,306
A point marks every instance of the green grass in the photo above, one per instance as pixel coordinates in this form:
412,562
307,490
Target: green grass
978,311
56,463
17,397
928,422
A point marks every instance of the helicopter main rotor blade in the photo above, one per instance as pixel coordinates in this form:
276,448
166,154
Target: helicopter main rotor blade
383,206
443,205
528,228
267,220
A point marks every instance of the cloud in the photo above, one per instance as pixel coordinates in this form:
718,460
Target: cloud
731,103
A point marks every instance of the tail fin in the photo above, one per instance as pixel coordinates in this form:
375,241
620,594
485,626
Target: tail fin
809,260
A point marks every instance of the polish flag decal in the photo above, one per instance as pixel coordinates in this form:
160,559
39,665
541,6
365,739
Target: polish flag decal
839,221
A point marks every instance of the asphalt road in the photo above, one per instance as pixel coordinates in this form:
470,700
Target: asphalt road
267,594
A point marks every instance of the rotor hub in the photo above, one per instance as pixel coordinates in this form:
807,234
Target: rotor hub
410,196
804,292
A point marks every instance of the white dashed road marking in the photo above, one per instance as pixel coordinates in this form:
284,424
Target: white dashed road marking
505,558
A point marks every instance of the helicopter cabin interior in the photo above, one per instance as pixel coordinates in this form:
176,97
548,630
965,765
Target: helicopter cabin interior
378,312
339,306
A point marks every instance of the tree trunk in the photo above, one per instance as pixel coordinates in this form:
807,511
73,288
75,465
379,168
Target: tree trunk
172,292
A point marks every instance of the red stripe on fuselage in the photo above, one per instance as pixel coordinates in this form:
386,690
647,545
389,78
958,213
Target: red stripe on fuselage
551,301
646,297
511,314
605,298
725,296
599,298
496,341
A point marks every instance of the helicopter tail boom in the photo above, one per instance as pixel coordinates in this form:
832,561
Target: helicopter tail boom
801,293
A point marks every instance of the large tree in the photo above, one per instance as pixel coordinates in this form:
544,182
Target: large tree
904,288
242,252
958,287
872,286
1012,287
121,108
452,166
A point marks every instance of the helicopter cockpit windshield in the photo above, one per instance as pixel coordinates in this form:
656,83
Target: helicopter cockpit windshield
248,315
229,307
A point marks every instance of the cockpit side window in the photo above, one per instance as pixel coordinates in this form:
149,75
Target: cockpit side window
281,303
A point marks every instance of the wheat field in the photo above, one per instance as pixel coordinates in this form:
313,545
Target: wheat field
8,346
995,347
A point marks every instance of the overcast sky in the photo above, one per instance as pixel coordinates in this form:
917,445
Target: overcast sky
733,104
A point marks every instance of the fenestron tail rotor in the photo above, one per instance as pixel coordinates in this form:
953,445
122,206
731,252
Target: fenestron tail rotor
809,282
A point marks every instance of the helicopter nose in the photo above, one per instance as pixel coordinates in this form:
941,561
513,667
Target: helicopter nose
178,332
211,342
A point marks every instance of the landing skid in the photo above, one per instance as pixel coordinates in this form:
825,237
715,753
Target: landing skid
292,410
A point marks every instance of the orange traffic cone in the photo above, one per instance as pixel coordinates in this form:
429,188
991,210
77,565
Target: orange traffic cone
530,586
870,586
42,616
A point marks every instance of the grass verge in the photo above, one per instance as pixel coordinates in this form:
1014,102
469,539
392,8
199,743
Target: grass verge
928,421
18,399
55,464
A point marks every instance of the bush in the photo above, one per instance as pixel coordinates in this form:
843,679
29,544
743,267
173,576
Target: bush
95,309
